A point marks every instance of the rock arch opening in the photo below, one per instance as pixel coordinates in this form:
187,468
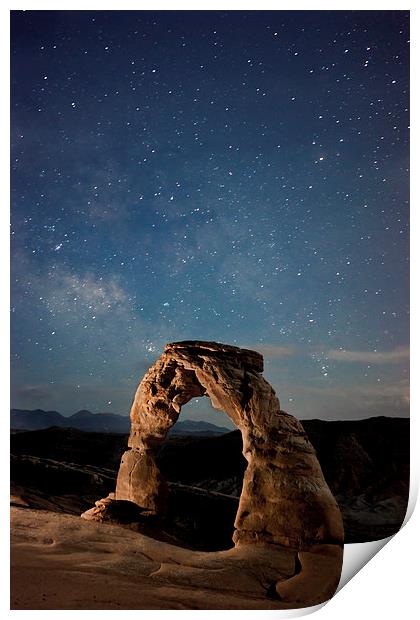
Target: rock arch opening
204,469
185,371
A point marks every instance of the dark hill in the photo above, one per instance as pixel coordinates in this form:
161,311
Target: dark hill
71,445
360,455
365,462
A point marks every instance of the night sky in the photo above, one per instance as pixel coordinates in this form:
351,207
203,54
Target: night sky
222,175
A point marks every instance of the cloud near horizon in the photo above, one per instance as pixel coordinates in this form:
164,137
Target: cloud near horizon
345,402
370,357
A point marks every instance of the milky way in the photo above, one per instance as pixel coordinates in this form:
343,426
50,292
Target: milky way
232,176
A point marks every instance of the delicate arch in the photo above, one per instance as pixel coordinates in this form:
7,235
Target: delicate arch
285,499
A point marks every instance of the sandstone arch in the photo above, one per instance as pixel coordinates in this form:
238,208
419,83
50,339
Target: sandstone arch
285,499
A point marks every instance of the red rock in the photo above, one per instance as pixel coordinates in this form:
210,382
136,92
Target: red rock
285,499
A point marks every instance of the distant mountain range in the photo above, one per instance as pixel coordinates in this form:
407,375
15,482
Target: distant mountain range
197,427
38,419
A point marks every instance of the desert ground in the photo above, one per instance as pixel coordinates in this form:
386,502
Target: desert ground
60,561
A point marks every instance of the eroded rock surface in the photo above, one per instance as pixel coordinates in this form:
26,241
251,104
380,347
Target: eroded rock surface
60,561
285,499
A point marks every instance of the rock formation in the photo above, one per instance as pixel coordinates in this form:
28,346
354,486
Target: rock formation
285,501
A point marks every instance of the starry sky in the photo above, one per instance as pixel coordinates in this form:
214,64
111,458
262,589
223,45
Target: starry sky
238,176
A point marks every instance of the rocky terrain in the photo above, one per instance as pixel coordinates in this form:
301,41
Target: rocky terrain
60,561
58,473
239,520
366,464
